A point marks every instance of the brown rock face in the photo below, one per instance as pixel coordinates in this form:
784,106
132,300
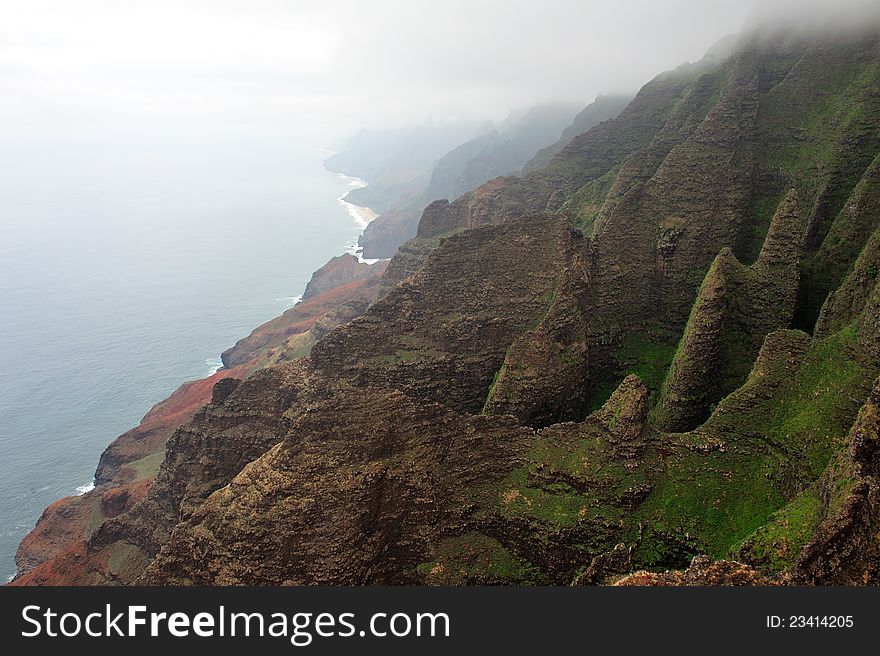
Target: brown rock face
442,335
373,493
624,416
445,434
54,552
388,231
541,379
205,455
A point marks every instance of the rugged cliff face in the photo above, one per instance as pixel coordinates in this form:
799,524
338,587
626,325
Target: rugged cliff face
659,352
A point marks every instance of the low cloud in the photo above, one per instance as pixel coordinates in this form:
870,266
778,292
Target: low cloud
322,68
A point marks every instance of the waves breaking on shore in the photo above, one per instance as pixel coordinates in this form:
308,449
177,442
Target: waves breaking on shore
362,216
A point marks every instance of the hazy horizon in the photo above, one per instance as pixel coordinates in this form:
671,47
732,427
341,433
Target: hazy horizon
323,70
166,191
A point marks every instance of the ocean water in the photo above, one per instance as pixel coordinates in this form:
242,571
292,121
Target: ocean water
126,268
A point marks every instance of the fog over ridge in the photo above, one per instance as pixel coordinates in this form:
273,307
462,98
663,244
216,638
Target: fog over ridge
324,69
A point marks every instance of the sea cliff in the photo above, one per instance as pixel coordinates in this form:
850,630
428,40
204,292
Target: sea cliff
653,359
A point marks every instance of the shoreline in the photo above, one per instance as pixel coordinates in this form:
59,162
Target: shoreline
362,216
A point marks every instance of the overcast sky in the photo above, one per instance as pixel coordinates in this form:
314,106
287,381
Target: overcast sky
328,67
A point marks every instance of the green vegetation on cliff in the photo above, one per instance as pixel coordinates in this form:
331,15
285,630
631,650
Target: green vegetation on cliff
660,345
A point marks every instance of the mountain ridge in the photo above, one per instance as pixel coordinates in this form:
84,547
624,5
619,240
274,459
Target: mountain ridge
525,397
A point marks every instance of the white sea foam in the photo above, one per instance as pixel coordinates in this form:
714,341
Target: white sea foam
88,487
215,364
362,215
352,181
289,301
356,250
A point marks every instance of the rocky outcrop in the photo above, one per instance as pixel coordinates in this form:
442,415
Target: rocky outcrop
692,384
359,474
384,234
624,417
852,296
541,379
565,503
122,459
205,455
441,335
736,308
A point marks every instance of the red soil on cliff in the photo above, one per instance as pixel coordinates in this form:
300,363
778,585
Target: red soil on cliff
54,552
